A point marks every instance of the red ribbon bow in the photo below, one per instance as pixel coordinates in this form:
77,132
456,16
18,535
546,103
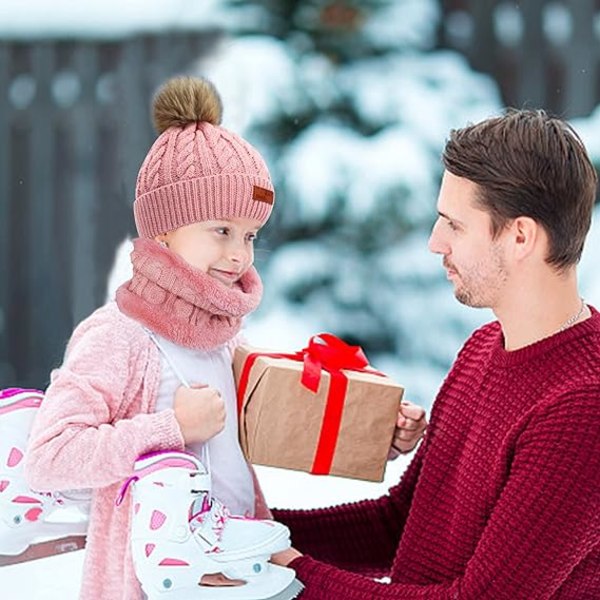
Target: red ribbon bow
324,352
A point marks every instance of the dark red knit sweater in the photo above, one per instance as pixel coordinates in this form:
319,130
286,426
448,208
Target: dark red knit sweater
501,501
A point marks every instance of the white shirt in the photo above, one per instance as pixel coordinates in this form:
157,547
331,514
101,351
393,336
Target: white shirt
232,481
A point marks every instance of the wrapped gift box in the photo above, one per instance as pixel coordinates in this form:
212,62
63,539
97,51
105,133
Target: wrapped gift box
285,424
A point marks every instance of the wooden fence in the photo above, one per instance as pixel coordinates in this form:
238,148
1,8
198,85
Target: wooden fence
543,53
74,127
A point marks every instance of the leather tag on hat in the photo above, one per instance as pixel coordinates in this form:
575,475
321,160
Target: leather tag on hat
262,194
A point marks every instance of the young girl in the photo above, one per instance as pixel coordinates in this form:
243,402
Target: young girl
152,372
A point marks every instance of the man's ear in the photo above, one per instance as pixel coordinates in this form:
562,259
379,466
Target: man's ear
526,235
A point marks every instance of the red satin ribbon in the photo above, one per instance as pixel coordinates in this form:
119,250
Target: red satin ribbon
324,352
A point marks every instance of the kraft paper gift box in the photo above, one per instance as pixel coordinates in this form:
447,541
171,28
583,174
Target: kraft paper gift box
343,425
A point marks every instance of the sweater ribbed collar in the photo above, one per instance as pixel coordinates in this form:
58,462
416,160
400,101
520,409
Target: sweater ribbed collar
181,303
509,358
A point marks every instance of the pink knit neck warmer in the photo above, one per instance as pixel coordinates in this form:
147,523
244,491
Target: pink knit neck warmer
181,303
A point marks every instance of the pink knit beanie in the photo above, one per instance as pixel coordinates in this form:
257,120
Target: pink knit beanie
196,170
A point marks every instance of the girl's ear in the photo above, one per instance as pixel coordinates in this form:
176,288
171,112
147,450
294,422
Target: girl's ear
162,240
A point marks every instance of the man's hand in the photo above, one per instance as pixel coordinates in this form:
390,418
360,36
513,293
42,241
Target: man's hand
200,412
410,427
285,557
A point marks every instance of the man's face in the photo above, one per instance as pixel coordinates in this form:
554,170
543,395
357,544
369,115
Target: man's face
474,262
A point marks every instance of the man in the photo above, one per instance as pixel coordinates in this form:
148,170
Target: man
502,499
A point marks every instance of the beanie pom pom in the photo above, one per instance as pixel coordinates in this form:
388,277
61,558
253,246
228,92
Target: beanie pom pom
184,100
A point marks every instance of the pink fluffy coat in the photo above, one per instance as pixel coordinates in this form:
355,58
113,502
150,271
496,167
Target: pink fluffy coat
96,419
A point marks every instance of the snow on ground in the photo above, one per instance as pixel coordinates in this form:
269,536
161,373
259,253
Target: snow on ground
55,578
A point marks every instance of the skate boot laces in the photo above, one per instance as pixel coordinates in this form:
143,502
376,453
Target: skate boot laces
209,522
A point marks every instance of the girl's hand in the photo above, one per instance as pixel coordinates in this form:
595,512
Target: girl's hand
200,412
410,427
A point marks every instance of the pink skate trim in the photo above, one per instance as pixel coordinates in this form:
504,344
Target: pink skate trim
14,458
167,453
161,463
9,392
196,517
206,504
33,514
220,521
26,500
148,549
3,485
173,562
124,489
247,517
157,520
16,398
184,463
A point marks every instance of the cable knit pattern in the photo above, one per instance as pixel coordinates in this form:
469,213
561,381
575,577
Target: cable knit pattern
97,418
152,174
197,173
502,500
185,167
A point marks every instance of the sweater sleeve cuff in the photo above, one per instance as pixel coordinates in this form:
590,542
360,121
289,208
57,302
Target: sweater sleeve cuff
304,566
163,432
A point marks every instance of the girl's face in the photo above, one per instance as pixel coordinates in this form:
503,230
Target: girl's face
224,249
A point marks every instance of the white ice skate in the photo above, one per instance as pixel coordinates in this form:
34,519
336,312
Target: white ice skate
56,521
180,533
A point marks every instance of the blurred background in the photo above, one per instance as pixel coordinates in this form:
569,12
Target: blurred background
350,102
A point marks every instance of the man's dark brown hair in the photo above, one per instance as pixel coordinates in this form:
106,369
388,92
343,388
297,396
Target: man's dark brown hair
527,163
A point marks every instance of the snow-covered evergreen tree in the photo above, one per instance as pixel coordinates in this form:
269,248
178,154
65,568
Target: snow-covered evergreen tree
350,102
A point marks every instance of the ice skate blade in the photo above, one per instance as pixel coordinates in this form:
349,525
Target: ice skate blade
45,549
279,584
14,542
292,591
